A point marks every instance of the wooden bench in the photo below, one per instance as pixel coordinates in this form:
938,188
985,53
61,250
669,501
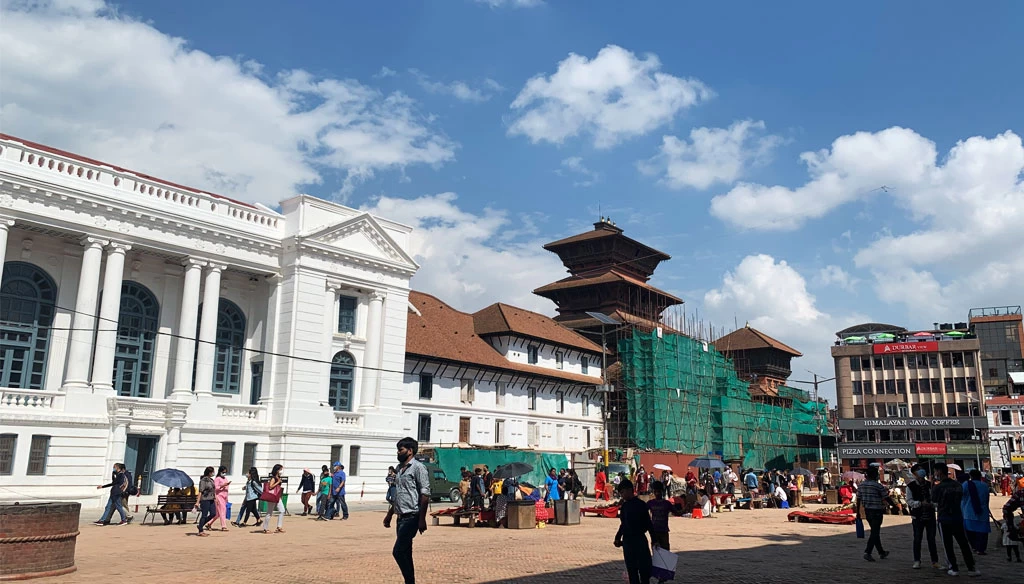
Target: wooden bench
458,516
178,503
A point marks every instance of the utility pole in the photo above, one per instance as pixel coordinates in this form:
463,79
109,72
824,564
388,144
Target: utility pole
819,421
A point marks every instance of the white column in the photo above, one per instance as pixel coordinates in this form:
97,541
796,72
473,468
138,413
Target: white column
208,331
84,319
371,358
110,308
5,227
184,352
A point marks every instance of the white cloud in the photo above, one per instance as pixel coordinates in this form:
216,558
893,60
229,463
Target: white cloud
772,297
117,89
613,96
460,90
584,176
832,275
855,167
512,3
712,155
385,72
471,260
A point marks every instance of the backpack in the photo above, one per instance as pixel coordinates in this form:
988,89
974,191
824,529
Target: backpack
132,490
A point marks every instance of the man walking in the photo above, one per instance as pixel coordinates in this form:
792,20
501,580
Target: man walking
873,498
922,514
634,524
947,496
412,498
118,486
338,492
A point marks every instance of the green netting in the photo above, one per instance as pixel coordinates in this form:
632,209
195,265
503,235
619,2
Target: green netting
683,396
452,459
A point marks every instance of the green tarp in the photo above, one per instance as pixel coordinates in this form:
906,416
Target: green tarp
452,459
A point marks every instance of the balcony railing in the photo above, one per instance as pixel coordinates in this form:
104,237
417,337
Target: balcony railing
27,399
243,413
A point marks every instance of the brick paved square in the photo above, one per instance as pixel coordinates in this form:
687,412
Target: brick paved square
742,546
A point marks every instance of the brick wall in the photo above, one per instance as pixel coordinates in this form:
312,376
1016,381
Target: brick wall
34,558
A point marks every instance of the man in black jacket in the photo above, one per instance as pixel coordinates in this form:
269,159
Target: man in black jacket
947,496
922,513
634,524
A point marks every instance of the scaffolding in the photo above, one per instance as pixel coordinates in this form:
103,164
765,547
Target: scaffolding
682,395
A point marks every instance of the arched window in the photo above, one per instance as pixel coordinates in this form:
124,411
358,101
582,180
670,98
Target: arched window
227,371
27,299
136,337
339,394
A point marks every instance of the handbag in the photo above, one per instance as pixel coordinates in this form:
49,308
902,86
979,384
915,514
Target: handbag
270,495
860,528
663,564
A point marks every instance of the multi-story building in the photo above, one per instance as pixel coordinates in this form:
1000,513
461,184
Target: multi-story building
909,395
163,326
1006,433
1001,333
503,376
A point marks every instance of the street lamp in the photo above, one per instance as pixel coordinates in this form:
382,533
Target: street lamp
604,389
974,434
817,413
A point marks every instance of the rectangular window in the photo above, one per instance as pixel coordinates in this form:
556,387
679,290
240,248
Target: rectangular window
585,401
531,355
948,384
8,442
1004,419
912,361
868,387
336,454
878,363
499,393
913,386
958,359
559,360
972,384
947,360
879,387
353,461
865,363
426,386
423,430
933,360
347,314
465,434
532,434
916,409
854,363
248,456
962,410
857,388
902,414
961,384
587,436
468,391
584,365
935,386
255,383
891,412
499,431
887,362
993,372
890,386
898,361
950,410
227,455
969,359
560,398
532,398
858,411
38,453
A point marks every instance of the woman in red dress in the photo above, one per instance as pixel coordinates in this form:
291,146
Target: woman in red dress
599,485
640,480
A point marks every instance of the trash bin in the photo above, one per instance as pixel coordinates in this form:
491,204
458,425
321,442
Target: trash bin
229,510
522,514
567,512
831,497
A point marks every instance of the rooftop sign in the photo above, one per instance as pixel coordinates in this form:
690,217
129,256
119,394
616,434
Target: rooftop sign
980,423
918,347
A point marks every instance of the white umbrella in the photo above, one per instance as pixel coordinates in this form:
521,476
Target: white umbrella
660,466
955,467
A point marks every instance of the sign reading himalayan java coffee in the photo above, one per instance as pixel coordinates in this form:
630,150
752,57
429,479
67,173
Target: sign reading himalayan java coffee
920,347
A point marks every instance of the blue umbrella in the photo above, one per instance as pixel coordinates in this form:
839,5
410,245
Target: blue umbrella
707,462
172,478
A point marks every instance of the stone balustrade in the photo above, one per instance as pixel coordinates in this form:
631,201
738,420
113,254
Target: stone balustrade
27,399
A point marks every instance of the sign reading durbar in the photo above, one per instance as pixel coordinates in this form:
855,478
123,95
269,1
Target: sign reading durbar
919,347
911,423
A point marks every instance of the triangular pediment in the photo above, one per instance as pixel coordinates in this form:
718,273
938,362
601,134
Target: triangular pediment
363,235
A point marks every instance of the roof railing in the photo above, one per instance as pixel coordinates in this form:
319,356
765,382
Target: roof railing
994,311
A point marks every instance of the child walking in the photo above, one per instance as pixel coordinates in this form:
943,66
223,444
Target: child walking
1012,546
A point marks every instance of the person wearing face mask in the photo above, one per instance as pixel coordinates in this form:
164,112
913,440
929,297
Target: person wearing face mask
412,498
220,488
948,496
273,490
922,514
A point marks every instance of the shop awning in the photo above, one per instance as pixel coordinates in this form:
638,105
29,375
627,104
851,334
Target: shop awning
1017,378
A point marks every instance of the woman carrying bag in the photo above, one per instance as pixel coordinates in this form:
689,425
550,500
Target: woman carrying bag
253,490
272,495
205,505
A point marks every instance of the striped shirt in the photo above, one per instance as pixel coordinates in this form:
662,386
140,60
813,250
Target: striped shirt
872,495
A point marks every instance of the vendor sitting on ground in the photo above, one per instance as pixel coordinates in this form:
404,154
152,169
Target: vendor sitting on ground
845,493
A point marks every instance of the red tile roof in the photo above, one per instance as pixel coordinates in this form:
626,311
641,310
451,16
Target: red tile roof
441,332
500,318
605,278
86,160
1004,400
748,338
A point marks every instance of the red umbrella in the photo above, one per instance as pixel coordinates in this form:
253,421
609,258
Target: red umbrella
923,334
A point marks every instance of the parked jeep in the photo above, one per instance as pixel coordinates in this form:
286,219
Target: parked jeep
440,486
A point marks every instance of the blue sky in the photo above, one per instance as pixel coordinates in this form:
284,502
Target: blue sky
426,112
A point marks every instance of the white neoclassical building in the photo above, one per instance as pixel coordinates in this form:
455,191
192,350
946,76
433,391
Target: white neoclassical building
150,323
